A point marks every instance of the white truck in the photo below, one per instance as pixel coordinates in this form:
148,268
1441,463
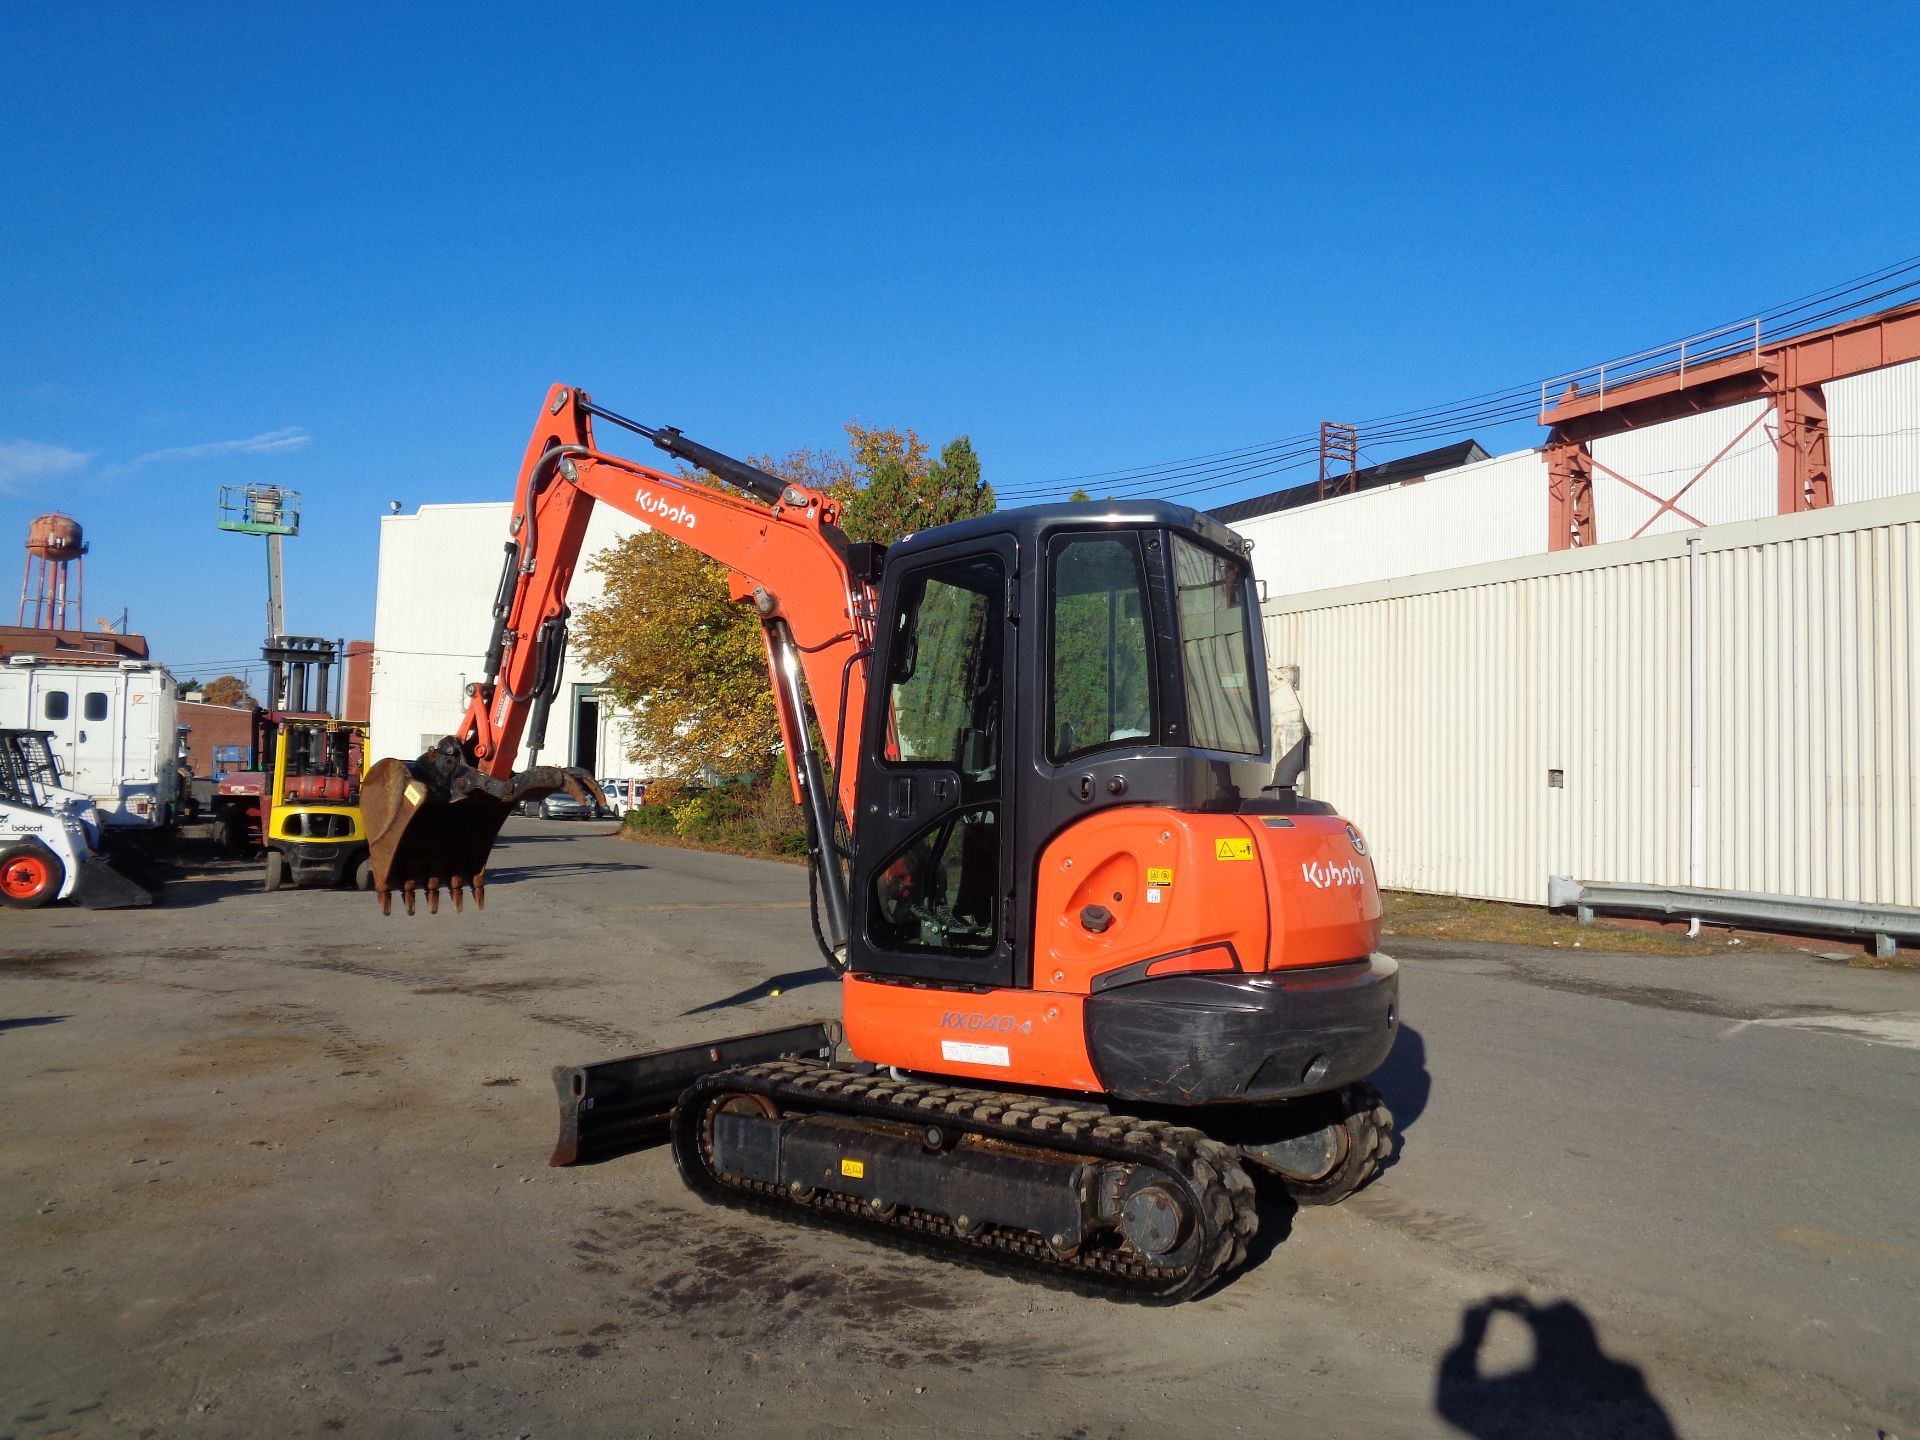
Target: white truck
115,728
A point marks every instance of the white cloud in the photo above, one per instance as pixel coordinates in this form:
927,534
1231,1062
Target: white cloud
271,442
24,461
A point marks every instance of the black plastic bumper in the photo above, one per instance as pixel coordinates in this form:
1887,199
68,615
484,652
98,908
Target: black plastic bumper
1203,1039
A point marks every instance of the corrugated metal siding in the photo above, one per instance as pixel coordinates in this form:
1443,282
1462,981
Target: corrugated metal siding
1439,705
1492,510
1873,425
1813,747
1662,458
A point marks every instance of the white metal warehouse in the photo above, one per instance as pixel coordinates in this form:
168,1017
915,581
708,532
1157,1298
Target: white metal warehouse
433,611
1706,693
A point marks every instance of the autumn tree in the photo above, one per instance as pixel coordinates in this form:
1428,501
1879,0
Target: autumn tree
686,662
227,690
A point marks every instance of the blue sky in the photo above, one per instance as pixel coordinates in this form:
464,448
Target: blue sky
345,249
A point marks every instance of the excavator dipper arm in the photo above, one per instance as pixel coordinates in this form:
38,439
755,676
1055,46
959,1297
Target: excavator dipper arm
434,820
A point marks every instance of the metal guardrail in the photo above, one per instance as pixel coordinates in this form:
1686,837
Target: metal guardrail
1741,337
1887,924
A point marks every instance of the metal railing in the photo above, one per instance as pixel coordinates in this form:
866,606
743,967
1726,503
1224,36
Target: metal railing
1887,925
1670,359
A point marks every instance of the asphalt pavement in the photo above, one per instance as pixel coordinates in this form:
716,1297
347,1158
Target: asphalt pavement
274,1165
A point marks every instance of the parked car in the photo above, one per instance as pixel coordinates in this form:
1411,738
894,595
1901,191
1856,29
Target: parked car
558,806
623,795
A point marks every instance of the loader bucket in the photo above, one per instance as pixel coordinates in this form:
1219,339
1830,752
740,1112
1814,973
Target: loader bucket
101,887
433,822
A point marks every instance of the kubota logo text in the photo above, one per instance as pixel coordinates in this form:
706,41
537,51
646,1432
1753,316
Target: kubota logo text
664,509
1325,877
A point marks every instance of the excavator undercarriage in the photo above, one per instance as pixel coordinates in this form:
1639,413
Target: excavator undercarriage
1043,1186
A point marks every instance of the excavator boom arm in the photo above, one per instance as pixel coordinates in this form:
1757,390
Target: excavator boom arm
786,555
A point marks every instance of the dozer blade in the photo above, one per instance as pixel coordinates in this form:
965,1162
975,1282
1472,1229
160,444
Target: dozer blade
613,1106
433,821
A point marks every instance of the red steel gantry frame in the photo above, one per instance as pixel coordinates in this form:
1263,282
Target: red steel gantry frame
1788,374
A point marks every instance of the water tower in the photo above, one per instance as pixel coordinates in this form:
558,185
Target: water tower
55,574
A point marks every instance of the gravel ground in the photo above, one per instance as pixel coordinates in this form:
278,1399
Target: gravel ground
275,1166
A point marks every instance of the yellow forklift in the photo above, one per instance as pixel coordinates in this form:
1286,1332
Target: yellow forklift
312,828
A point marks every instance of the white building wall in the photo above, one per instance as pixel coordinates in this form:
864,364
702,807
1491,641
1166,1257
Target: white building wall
1873,433
1492,510
433,612
1664,458
1440,706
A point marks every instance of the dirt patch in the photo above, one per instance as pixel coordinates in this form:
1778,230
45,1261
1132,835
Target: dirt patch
785,1291
500,989
593,1029
46,959
250,1053
1449,917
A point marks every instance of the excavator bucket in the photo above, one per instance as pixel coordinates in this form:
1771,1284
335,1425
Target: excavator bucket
432,822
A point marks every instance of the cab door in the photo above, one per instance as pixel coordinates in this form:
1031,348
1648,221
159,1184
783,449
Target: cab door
932,871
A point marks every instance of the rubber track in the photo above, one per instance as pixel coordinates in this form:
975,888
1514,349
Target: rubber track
1209,1170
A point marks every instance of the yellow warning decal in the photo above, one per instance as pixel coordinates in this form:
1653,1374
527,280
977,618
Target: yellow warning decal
415,792
854,1169
1159,875
1233,849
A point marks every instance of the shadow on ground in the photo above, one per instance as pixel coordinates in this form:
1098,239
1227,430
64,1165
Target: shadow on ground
509,842
26,1022
513,874
772,985
1572,1389
1406,1084
209,887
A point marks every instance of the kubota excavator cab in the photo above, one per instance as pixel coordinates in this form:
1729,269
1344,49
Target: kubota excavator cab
1074,809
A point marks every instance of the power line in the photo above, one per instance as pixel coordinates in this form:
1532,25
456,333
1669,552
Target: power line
1221,469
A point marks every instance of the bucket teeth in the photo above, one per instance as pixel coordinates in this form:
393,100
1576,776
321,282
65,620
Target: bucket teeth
433,894
409,890
459,895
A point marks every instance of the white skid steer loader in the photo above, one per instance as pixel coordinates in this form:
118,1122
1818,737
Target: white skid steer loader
50,836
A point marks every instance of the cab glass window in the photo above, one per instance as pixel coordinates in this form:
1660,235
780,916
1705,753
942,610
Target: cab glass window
1216,649
938,893
1100,680
944,669
56,705
94,707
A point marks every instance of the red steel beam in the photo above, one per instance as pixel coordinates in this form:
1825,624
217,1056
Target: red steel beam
1871,342
1789,373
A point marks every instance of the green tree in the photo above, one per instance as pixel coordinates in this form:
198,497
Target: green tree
686,662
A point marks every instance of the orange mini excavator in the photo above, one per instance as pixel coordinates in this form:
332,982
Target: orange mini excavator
1097,957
